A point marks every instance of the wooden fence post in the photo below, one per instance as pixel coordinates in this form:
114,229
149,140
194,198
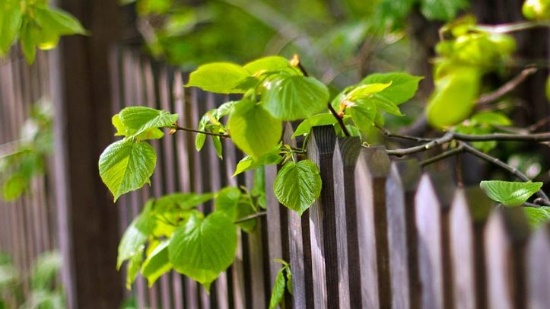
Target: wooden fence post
401,187
538,272
370,177
505,240
467,217
322,215
345,159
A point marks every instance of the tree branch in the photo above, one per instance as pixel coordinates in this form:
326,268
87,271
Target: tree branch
445,155
339,119
506,88
436,142
251,217
389,134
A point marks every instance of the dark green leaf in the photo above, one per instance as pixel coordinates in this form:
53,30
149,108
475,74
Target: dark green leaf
203,248
403,86
181,201
297,185
294,97
510,193
253,129
227,201
125,166
219,77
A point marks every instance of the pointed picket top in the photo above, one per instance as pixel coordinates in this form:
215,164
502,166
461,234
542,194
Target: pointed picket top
428,223
505,237
538,272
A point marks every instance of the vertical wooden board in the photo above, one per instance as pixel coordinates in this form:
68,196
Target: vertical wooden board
428,224
345,159
400,187
461,239
538,272
320,149
504,240
299,248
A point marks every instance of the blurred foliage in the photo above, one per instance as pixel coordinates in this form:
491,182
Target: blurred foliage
28,156
333,38
44,292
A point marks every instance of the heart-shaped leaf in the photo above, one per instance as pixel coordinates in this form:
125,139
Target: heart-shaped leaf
297,185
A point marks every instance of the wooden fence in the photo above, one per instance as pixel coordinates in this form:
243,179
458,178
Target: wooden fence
27,225
383,234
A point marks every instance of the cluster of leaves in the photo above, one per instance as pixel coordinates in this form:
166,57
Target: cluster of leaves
464,55
171,233
35,24
44,292
28,159
394,13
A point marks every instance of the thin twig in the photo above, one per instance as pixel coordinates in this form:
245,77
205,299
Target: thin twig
538,137
506,88
539,124
178,128
501,164
446,154
251,217
339,119
389,134
436,142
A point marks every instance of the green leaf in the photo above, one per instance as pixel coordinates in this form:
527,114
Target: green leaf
510,194
442,10
492,118
125,166
384,104
365,91
313,121
537,216
157,263
297,185
269,64
363,114
278,292
28,39
14,187
248,163
294,97
122,130
219,77
134,266
181,201
135,235
203,248
45,270
403,86
10,24
58,21
227,201
253,129
136,120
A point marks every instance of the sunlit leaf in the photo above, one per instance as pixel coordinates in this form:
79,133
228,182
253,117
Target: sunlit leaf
537,216
315,120
156,263
138,121
10,24
297,185
204,247
278,291
403,86
57,21
219,77
288,97
125,166
269,64
253,129
510,193
135,235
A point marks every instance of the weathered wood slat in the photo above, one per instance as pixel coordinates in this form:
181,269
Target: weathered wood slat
538,272
401,186
345,159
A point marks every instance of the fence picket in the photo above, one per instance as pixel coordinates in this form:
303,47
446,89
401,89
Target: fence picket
538,272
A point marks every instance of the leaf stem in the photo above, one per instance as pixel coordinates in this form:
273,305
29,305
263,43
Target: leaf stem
251,217
339,119
178,128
